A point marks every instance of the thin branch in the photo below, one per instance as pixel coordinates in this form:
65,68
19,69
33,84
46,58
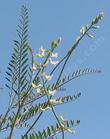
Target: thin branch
52,111
67,56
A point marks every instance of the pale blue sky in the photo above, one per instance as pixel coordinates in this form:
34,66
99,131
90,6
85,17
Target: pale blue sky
60,18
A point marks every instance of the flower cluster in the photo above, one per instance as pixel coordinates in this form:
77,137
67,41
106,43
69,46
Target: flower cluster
43,53
50,56
39,86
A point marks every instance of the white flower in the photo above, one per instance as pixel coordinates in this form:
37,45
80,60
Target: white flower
34,68
46,64
39,91
40,55
47,77
42,52
54,55
51,92
38,88
55,101
43,109
82,30
37,66
34,86
40,66
54,63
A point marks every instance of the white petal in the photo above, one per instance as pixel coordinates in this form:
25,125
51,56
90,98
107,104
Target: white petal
48,77
54,101
54,55
38,90
53,62
41,49
82,30
42,109
51,92
70,131
41,52
34,68
34,86
46,64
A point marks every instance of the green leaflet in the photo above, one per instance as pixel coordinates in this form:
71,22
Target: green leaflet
75,74
34,110
51,130
18,68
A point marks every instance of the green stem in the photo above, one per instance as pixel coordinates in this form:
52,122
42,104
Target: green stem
13,125
53,110
67,56
4,118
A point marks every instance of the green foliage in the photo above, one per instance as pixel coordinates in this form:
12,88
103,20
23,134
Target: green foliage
34,110
18,65
74,75
25,79
51,130
19,74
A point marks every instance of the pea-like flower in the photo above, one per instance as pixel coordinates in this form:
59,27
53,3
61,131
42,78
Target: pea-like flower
54,63
51,92
42,52
38,88
54,55
39,91
47,77
34,68
55,101
83,30
46,64
43,109
34,86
